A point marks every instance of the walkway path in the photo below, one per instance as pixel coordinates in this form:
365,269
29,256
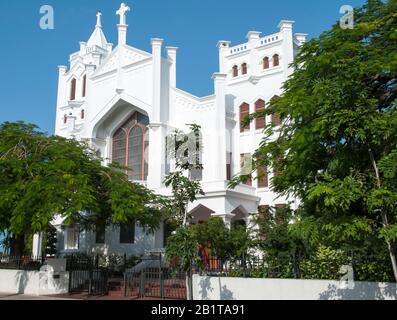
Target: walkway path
13,296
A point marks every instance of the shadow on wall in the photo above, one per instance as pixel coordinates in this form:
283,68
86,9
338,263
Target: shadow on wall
205,287
361,291
225,293
206,290
21,281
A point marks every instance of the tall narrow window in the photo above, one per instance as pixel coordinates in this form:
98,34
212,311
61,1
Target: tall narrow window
246,166
244,68
276,119
266,64
73,89
82,114
260,123
244,113
100,234
72,238
281,214
84,85
235,71
263,181
277,166
229,166
127,233
130,144
65,119
276,60
196,172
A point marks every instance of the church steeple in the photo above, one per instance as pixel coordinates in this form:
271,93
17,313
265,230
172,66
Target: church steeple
98,37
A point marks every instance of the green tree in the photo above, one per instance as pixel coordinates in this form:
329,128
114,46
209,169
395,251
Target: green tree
185,150
43,176
214,236
182,248
336,148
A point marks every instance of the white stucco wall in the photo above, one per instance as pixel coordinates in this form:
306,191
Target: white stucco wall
33,282
214,288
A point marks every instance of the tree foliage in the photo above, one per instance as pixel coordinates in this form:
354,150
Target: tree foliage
184,149
42,177
336,148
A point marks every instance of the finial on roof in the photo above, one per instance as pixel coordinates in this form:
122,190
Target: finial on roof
122,13
98,19
98,37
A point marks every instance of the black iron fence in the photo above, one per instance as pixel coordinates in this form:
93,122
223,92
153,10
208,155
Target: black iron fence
115,264
28,263
85,275
159,283
361,268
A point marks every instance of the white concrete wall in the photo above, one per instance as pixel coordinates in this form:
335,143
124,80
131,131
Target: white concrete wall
214,288
33,282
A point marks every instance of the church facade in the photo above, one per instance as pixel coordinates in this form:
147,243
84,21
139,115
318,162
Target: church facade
124,102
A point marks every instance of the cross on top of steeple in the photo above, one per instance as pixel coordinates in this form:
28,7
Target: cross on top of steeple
98,19
122,13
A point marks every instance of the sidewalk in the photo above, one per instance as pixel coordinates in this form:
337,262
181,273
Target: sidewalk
14,296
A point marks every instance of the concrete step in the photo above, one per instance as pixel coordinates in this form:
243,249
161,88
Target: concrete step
116,293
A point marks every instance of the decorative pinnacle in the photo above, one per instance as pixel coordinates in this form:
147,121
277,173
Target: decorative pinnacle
122,13
98,19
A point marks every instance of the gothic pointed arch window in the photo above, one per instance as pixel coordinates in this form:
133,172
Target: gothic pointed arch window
73,84
266,64
130,145
260,123
235,71
276,60
244,68
276,118
244,113
84,85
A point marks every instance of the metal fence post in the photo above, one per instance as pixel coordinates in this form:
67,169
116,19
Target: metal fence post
161,284
190,281
125,283
19,262
141,285
90,274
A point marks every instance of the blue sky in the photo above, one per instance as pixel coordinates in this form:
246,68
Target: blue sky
29,56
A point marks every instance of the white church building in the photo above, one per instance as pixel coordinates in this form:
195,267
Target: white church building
125,101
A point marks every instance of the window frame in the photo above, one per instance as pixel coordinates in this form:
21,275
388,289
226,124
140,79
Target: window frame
244,114
76,235
263,177
266,63
258,108
124,236
235,71
276,60
73,86
84,86
127,139
244,68
100,235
